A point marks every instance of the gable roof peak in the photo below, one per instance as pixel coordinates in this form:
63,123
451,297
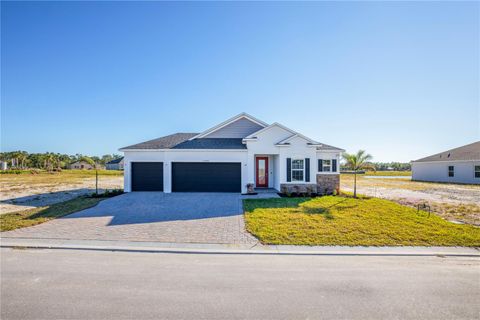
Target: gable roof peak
229,121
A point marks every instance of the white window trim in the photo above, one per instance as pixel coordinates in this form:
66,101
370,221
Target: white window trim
474,171
303,170
329,166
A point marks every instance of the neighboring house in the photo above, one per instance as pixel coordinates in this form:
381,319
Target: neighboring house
3,165
230,155
459,165
115,164
83,165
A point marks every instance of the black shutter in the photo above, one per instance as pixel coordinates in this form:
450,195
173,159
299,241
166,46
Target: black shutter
334,165
320,165
307,170
289,169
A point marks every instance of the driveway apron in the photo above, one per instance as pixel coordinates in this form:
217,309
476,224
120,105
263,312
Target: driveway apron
152,216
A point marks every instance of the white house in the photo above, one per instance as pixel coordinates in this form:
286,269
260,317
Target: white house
228,156
459,165
84,165
115,164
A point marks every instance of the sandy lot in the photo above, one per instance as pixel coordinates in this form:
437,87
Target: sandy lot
452,201
26,191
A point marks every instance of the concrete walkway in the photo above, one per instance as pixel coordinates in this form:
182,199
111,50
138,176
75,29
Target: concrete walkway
210,248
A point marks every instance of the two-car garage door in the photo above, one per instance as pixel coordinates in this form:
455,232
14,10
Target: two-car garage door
188,176
206,177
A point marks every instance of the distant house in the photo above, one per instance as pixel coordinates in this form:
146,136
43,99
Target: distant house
84,165
3,165
459,165
115,164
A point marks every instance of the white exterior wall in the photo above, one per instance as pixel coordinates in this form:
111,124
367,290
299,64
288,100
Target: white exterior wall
328,155
265,145
167,157
437,171
298,149
276,172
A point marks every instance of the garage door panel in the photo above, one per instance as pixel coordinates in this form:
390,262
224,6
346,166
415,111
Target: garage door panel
147,176
206,177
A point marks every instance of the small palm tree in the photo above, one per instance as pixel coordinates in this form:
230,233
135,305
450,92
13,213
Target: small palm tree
356,162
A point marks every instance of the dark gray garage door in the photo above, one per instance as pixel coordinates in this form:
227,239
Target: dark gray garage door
147,176
206,177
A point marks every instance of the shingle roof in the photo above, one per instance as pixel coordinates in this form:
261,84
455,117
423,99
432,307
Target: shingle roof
468,152
114,161
166,142
180,141
212,143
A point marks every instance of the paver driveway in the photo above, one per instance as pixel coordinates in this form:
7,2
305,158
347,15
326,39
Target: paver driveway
152,216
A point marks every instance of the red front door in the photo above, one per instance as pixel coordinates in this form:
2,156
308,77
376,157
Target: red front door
262,172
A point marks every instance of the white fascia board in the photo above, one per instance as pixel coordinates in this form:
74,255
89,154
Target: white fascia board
312,142
229,121
330,151
184,150
293,132
275,124
443,161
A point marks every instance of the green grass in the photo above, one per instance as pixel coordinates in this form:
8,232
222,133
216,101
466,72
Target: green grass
92,172
336,220
388,173
31,217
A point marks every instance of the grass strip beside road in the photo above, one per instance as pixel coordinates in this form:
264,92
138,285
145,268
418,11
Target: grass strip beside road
31,217
345,221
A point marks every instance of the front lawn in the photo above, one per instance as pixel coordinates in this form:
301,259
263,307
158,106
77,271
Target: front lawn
338,220
31,217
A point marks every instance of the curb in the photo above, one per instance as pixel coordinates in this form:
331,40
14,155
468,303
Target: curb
225,249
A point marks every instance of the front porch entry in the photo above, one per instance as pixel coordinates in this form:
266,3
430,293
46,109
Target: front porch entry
266,173
261,172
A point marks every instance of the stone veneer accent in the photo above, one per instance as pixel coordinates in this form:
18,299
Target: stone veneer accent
298,187
328,183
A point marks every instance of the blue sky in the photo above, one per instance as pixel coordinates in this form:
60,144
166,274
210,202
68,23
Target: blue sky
400,80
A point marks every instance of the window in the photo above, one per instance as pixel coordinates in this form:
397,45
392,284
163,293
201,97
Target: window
297,169
477,171
327,165
451,171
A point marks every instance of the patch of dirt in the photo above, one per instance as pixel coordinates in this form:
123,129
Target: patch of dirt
453,202
28,194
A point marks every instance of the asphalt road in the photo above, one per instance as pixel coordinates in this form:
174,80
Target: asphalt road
76,284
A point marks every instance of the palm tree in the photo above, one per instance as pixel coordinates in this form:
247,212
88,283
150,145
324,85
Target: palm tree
22,156
49,161
356,162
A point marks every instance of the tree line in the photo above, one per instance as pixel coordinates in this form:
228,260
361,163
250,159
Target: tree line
383,166
396,166
50,160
